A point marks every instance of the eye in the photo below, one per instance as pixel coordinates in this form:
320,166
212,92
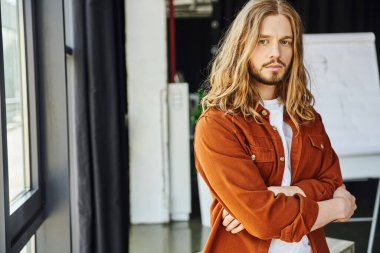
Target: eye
285,42
263,42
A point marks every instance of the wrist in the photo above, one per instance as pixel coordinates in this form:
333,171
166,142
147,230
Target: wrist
328,211
340,207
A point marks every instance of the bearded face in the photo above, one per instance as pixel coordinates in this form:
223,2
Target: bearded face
270,61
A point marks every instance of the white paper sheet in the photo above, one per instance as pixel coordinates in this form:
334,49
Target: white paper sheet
345,82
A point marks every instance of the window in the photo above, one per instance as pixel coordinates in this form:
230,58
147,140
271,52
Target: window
30,247
16,100
21,201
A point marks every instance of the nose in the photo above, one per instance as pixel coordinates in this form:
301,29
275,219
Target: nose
275,51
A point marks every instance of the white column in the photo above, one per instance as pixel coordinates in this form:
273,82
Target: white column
147,110
179,151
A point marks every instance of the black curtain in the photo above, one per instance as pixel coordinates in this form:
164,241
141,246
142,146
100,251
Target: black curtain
193,65
100,106
340,16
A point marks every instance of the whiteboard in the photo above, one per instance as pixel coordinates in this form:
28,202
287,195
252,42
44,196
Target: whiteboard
344,80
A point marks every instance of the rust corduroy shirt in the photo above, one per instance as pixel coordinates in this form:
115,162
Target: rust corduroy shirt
239,158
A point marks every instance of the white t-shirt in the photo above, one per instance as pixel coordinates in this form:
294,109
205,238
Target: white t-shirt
276,119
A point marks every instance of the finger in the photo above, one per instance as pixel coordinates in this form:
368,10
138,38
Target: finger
273,189
302,193
224,213
233,225
237,229
227,220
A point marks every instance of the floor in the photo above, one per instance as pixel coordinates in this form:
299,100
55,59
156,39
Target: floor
189,237
176,237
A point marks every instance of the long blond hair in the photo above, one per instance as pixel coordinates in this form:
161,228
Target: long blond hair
230,82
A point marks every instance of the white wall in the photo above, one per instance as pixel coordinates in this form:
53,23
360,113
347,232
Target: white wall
147,115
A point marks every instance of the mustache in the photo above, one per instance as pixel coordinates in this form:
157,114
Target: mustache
274,61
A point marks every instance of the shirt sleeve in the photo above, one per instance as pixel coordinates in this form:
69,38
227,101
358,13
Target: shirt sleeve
329,177
236,183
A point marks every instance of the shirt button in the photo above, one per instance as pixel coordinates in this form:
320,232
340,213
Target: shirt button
264,113
253,157
282,158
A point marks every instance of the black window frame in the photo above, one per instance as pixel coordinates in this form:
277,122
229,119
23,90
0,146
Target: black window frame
20,221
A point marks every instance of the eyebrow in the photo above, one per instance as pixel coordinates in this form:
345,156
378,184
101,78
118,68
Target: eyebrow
268,36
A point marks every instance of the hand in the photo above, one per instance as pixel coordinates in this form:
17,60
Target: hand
232,225
287,190
348,205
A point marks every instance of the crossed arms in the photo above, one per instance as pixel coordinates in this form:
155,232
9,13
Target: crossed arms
238,186
341,207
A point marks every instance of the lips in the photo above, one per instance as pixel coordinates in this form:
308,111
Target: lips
274,66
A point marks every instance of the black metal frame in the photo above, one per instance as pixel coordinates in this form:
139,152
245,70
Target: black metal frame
19,222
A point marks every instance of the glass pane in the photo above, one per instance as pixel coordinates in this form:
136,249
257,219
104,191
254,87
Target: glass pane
30,247
15,97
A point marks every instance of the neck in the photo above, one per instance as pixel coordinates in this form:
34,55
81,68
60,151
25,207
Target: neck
266,92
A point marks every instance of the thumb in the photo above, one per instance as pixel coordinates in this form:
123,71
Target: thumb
225,213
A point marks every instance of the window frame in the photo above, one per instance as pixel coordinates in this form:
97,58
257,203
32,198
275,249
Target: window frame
20,220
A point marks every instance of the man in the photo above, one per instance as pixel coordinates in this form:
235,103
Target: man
261,147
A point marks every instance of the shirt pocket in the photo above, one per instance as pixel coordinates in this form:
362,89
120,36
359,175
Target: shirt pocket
264,158
317,142
315,148
261,154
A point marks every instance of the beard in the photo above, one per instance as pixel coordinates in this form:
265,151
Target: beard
275,79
